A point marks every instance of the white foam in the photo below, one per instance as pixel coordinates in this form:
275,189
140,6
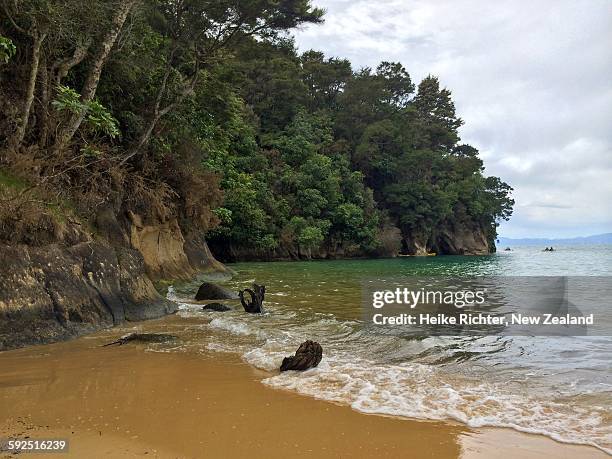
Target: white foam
170,294
184,309
220,347
232,326
422,392
410,390
263,359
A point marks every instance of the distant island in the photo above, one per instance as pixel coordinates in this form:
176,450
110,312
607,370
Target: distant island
605,238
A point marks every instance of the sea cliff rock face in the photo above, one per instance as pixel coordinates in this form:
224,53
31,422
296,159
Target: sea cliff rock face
450,238
290,253
463,239
161,246
56,292
389,238
416,244
167,254
200,257
79,283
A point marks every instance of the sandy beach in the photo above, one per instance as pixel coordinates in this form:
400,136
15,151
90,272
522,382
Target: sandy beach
129,402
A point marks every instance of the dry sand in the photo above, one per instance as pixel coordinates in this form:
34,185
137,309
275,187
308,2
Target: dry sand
118,402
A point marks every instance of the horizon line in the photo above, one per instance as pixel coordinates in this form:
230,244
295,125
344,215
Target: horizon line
554,238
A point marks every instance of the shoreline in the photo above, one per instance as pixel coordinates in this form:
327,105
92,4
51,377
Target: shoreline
126,401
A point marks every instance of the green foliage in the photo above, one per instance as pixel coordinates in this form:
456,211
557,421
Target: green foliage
306,151
310,237
101,120
97,117
436,116
224,215
324,79
67,99
7,49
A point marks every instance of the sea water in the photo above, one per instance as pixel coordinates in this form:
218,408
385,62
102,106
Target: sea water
560,387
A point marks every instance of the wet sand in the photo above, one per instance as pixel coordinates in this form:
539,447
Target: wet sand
127,402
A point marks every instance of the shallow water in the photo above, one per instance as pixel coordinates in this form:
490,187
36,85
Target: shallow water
556,386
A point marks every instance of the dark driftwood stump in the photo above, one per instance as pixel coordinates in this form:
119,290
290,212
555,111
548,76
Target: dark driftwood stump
142,338
308,355
257,297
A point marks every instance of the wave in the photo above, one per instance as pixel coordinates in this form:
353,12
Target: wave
419,391
352,373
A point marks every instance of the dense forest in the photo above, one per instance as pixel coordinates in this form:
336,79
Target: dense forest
204,112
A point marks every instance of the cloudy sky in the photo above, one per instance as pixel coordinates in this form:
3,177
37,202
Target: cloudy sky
531,79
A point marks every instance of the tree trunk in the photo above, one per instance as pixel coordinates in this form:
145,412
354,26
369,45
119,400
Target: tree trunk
19,134
62,67
160,113
44,77
95,71
145,137
50,80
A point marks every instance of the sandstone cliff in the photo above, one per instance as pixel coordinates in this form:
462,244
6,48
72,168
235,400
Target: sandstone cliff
81,282
450,238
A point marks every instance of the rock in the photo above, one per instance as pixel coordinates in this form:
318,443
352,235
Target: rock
161,246
450,238
71,282
415,244
308,355
467,238
210,291
219,307
201,258
257,295
52,293
142,338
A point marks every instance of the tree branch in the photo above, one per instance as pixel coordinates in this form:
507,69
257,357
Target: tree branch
12,21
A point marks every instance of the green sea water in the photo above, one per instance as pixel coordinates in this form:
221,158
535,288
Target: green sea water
556,386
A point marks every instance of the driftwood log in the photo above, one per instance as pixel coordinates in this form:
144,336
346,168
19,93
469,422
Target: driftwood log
308,355
142,338
257,297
